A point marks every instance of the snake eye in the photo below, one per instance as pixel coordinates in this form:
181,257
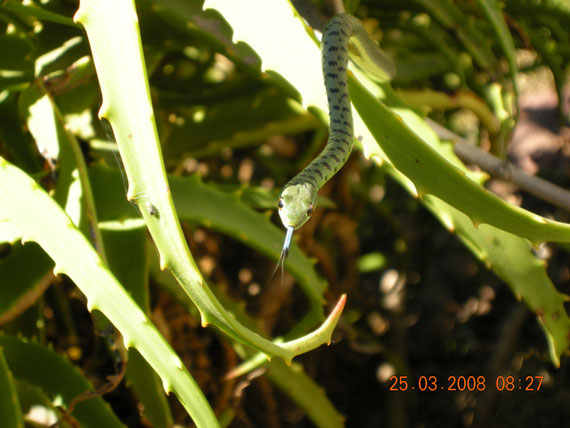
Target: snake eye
280,204
310,210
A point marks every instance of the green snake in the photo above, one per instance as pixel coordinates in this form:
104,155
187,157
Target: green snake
343,35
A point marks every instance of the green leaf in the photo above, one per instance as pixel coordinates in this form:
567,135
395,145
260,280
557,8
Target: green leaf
453,18
33,397
37,12
291,379
507,254
58,378
494,14
126,251
16,66
74,256
27,272
10,412
432,174
19,147
305,393
511,259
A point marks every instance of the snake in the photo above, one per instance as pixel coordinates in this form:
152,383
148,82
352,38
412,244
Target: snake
343,36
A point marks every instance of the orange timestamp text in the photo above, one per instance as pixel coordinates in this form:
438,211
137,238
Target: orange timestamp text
465,383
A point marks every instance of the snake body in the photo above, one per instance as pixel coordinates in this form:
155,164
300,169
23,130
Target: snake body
343,35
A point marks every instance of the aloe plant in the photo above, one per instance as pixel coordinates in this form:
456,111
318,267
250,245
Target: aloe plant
75,208
82,264
413,156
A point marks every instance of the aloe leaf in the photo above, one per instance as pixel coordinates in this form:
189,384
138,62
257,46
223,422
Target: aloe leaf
10,412
27,270
237,122
460,99
188,18
492,11
560,6
305,393
507,254
291,379
126,250
549,48
115,42
146,385
452,18
501,100
511,259
289,51
33,397
200,203
74,256
9,233
57,377
127,255
240,113
438,40
17,144
432,174
54,63
32,9
15,61
72,190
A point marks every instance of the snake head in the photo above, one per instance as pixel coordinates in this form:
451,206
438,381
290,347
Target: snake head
296,205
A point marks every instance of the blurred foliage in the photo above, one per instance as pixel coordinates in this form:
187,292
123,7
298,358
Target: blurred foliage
419,302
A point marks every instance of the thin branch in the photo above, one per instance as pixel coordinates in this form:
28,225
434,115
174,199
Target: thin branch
536,186
337,6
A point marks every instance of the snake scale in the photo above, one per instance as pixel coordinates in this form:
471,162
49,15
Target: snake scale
343,36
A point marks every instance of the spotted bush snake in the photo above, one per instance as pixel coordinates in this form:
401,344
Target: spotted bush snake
343,36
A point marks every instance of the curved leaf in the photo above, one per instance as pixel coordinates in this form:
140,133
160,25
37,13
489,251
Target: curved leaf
57,377
10,412
74,256
432,174
115,43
